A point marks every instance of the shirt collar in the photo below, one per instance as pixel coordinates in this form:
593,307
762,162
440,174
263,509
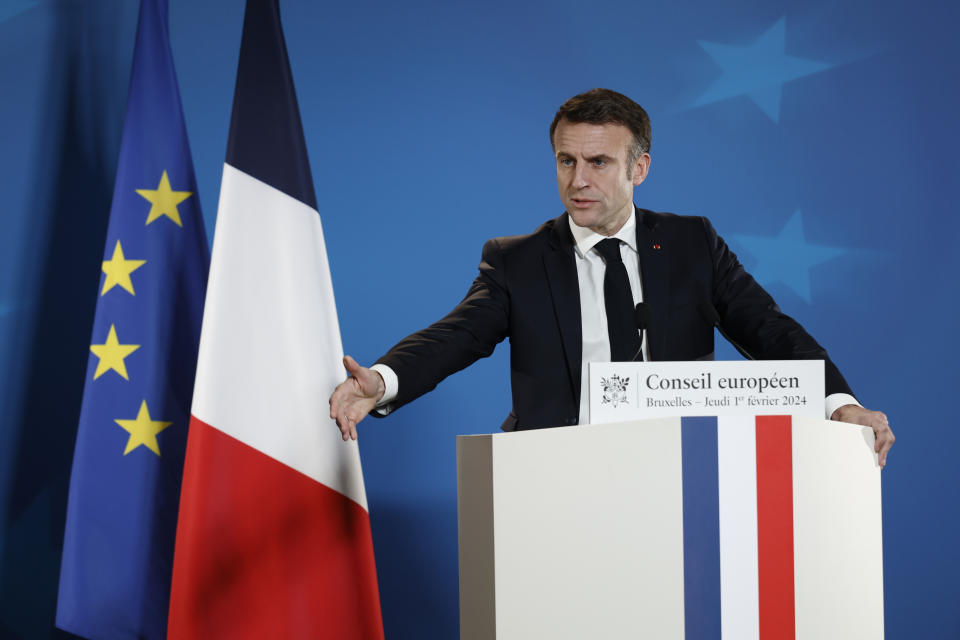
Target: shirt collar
587,239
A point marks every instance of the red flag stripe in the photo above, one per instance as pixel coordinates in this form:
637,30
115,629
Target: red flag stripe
264,551
775,527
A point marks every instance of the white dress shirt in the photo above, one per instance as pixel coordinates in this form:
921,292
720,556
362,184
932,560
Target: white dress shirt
593,309
593,313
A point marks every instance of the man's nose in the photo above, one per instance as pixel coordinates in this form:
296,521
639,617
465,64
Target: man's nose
579,177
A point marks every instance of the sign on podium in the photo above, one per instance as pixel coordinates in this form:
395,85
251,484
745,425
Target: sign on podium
629,390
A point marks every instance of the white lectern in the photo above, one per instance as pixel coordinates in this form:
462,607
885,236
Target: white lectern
733,527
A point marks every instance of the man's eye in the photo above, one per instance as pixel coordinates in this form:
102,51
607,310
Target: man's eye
599,162
567,162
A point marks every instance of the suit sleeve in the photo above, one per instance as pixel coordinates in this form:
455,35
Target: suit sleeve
469,332
752,318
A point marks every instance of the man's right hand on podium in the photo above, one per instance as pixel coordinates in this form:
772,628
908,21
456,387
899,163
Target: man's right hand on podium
355,397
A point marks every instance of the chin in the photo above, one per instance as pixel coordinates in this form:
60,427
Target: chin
581,219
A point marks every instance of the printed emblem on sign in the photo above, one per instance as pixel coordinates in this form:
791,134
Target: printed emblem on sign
614,390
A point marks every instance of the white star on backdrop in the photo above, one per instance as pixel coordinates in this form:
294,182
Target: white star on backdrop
787,257
758,70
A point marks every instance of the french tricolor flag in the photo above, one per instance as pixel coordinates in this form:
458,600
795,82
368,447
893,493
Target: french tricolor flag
273,537
781,531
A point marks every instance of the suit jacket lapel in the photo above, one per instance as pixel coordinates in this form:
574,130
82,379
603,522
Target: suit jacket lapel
653,275
561,268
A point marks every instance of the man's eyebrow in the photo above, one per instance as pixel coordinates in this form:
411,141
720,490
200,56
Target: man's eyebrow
600,156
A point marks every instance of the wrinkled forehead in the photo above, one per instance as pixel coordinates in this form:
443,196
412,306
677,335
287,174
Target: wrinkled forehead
585,139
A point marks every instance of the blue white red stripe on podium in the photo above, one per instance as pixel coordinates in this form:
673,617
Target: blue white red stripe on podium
738,541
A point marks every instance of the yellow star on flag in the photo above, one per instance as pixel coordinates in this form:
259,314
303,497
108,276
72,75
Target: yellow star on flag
143,430
111,354
164,200
118,270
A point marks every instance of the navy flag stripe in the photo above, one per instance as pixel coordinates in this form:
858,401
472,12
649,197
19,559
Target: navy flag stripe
701,526
266,135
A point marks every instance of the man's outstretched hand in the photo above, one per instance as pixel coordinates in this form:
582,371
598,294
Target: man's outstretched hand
355,397
876,420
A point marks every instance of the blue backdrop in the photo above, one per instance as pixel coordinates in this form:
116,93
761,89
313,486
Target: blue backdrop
819,137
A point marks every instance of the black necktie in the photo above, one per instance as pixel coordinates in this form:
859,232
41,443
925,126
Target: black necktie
621,319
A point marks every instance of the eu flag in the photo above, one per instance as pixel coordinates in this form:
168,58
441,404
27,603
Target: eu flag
128,461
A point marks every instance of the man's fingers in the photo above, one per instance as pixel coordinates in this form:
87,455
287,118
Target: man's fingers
887,443
351,431
347,425
343,421
353,367
884,438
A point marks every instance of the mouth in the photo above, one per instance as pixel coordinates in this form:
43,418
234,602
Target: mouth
582,202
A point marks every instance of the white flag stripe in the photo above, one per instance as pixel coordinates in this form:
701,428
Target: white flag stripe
270,330
739,577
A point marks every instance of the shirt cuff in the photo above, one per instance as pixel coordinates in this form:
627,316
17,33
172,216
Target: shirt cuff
834,401
390,385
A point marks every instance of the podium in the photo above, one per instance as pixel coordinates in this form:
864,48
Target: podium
732,527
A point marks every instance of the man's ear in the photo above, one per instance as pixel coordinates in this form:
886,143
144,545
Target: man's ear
641,169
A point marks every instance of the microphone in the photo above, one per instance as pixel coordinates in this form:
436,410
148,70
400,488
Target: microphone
641,314
709,313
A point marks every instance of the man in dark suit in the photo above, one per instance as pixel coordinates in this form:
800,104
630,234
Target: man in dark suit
565,295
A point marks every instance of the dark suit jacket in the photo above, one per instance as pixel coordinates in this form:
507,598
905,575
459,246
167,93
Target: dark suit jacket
527,290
